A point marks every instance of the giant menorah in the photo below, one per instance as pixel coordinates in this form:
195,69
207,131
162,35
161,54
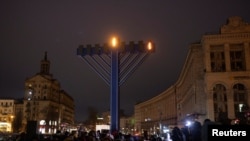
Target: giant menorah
114,63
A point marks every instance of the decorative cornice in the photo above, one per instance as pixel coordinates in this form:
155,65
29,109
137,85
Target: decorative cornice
220,37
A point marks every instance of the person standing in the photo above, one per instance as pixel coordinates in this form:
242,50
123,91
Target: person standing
195,130
177,135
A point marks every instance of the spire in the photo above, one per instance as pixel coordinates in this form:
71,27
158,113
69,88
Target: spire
45,56
45,65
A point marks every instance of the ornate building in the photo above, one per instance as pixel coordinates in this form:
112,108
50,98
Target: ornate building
45,103
214,83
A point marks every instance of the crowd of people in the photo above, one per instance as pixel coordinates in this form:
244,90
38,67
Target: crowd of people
195,132
76,136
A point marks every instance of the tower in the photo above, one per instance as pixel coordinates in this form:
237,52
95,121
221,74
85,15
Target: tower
45,65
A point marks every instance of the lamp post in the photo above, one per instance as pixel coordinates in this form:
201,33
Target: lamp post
115,62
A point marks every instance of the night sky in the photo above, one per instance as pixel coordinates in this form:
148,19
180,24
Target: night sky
28,28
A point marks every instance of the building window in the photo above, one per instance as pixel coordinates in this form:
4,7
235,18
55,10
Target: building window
220,102
237,57
240,99
217,58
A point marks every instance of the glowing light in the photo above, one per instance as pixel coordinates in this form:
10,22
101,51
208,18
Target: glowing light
42,122
114,42
188,123
150,46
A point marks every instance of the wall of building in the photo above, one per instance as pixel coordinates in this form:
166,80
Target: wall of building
46,103
209,84
7,115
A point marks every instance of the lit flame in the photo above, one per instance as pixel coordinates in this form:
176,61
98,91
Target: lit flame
114,42
150,46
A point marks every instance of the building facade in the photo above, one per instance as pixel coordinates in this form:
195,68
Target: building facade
18,116
153,114
7,115
214,83
45,103
127,125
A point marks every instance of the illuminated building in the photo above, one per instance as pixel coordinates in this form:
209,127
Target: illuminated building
45,104
6,115
126,122
127,125
214,82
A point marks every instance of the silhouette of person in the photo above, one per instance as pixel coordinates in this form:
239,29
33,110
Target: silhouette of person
177,134
195,130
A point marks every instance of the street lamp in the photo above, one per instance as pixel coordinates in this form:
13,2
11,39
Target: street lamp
115,62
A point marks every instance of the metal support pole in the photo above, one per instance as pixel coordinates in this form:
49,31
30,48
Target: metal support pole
114,101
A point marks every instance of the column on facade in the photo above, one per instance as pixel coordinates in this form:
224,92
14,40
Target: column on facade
247,52
210,105
247,55
207,58
230,104
227,57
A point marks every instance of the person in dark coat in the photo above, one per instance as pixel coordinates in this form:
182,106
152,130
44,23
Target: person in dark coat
177,135
186,133
195,130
